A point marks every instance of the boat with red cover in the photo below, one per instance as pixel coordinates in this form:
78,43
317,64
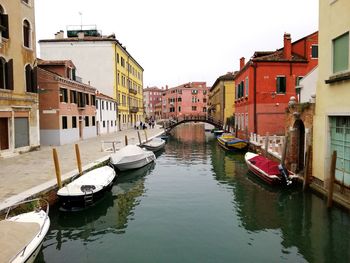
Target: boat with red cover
270,171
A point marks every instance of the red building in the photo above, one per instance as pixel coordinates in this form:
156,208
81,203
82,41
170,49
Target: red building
188,99
266,82
152,98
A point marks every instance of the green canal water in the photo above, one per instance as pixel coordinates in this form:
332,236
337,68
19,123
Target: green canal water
198,203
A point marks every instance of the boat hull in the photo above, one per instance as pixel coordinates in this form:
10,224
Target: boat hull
232,144
78,202
269,178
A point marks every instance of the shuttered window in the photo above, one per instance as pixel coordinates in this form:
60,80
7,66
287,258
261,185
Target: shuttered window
341,53
340,142
281,84
21,132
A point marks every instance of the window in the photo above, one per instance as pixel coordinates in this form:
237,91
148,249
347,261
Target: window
314,51
118,58
73,96
179,108
26,34
93,121
204,100
122,62
103,105
107,105
6,74
104,123
81,102
31,79
63,95
297,80
246,86
86,121
87,101
194,108
204,109
281,84
64,122
74,121
341,53
4,24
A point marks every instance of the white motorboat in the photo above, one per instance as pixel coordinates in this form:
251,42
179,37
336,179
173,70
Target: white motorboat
22,233
87,189
131,157
154,145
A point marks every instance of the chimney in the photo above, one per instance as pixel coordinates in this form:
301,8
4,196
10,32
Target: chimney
241,63
287,49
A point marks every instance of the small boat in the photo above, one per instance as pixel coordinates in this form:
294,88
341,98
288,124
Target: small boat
154,145
131,157
231,143
23,230
270,171
86,189
218,132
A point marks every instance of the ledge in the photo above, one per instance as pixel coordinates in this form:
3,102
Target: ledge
338,77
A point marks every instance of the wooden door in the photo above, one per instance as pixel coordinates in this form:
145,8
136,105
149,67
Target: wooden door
4,134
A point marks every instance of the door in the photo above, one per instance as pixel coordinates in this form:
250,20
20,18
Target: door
340,142
21,132
300,138
4,134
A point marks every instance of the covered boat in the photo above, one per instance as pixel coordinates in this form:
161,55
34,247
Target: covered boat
23,230
229,142
270,171
86,189
154,145
131,157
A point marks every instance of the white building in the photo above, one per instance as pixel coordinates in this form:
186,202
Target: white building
307,86
106,114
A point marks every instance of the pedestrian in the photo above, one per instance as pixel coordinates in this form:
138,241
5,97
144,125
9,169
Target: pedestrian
152,124
141,126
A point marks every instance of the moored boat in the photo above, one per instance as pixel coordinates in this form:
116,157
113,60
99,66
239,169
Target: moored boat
154,145
86,189
270,171
23,230
231,143
131,157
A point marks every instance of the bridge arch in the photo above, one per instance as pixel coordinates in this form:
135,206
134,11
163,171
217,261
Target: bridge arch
171,124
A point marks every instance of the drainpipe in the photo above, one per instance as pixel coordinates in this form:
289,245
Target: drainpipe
254,108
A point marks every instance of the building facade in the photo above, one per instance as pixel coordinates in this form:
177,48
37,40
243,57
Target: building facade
106,114
186,100
104,63
19,113
152,98
222,98
266,82
67,107
332,114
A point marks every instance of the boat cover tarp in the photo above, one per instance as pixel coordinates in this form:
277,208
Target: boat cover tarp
14,237
129,153
268,166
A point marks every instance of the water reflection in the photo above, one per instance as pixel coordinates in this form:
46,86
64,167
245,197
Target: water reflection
302,219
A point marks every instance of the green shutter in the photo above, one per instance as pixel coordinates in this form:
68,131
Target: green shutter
341,53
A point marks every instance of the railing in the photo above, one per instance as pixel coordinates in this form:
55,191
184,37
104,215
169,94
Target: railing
171,123
133,109
133,91
274,143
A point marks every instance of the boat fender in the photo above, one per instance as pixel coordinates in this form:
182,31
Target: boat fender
285,174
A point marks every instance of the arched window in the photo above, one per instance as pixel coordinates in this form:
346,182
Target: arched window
26,33
6,74
31,82
4,24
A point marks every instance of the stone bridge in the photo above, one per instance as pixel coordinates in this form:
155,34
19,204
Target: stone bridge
170,124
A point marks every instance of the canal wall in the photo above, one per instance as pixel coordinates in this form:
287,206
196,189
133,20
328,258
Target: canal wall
32,175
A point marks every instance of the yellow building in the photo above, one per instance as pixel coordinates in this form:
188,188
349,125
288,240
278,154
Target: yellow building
332,115
129,88
103,63
19,123
222,98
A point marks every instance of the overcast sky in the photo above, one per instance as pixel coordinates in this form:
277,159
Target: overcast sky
185,40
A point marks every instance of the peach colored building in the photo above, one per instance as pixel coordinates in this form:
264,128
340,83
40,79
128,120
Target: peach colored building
189,99
67,107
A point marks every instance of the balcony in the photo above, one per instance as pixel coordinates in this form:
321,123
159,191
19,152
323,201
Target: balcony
133,109
133,91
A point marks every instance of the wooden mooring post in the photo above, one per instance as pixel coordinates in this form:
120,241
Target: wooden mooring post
284,150
267,145
306,181
146,135
77,154
331,179
57,168
138,135
126,140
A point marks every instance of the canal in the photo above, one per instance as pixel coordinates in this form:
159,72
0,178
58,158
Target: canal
198,203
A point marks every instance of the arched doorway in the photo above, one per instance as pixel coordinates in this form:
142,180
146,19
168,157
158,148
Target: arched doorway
300,147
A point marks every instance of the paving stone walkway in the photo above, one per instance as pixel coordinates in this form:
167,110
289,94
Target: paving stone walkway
25,172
